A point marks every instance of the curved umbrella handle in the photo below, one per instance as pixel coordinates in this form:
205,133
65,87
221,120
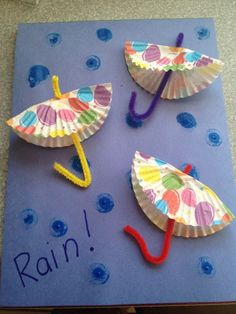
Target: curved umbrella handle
159,91
86,171
156,260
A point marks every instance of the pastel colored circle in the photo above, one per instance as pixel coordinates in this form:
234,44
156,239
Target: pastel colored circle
172,181
204,214
192,56
162,206
66,115
150,194
46,115
149,174
171,197
78,105
189,197
28,119
102,96
87,117
151,54
139,47
85,94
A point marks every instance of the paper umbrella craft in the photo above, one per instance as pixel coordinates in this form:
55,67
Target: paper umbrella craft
175,202
66,119
168,72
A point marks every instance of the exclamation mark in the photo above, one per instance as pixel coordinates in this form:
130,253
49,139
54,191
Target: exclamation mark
87,228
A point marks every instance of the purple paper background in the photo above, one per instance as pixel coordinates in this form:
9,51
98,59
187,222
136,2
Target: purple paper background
33,184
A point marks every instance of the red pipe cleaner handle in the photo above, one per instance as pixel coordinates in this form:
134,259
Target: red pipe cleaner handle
143,247
156,260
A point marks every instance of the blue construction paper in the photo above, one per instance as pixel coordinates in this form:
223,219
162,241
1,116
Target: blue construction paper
76,250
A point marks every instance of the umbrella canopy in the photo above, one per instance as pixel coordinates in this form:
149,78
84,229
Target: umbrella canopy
192,71
52,122
164,192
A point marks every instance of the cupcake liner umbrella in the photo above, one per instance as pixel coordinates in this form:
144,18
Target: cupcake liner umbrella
64,120
175,202
168,72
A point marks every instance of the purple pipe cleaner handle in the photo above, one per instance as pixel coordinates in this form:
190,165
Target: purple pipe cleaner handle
157,96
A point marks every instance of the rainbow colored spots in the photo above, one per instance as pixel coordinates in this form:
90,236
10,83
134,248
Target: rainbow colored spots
102,96
87,117
213,137
186,120
206,267
162,206
37,74
172,181
202,32
29,217
58,228
28,119
54,39
137,46
46,115
104,203
104,34
99,274
85,94
93,63
204,214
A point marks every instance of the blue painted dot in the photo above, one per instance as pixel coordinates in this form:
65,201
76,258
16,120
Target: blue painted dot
138,46
202,32
133,122
28,119
186,120
99,274
213,137
193,173
85,94
129,179
93,63
206,267
76,164
29,217
37,74
54,39
104,203
104,34
162,206
58,228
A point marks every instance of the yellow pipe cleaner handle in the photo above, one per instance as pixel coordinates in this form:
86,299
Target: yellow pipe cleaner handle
55,86
86,171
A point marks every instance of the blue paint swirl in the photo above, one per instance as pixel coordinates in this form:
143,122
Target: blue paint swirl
93,63
186,120
104,34
37,74
54,39
213,138
29,217
206,267
76,164
202,32
104,203
99,274
58,228
193,173
129,179
133,122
